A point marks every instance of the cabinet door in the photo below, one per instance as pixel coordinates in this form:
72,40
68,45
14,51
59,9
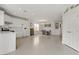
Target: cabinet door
71,29
67,29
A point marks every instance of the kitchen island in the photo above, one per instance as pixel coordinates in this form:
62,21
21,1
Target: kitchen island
7,42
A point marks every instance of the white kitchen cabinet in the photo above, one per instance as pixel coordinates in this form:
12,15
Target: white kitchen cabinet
1,18
7,42
18,26
70,32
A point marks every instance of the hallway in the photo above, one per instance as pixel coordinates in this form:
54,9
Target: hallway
42,45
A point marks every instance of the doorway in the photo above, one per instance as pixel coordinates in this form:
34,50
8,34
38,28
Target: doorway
36,29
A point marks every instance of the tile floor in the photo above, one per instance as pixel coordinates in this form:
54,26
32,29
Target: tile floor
42,45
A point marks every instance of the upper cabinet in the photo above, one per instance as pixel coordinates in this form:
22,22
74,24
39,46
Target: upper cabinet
1,17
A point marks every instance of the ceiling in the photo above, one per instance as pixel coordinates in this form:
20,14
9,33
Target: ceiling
36,12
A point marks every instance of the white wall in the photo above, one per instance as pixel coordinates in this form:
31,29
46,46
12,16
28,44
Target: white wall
18,26
52,28
1,18
71,28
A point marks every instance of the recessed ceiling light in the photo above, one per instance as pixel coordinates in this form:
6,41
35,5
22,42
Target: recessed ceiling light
20,9
42,20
